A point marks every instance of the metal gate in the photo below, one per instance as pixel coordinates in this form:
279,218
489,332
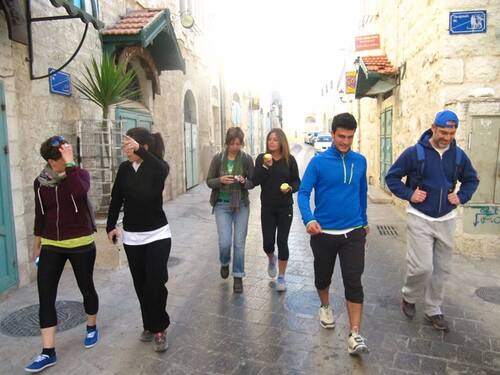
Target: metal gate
100,153
385,144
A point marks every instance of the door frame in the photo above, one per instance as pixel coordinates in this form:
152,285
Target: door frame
6,195
383,138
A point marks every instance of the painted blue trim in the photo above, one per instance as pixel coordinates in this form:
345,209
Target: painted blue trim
6,197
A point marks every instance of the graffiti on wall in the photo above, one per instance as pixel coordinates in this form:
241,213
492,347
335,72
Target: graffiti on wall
482,219
487,215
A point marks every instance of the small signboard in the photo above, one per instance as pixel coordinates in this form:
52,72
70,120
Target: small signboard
350,82
367,42
60,82
468,22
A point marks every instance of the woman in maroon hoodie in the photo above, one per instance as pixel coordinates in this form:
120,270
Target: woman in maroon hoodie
64,230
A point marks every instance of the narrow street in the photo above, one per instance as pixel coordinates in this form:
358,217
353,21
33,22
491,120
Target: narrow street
261,331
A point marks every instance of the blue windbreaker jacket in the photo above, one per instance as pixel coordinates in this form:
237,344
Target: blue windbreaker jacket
340,190
437,177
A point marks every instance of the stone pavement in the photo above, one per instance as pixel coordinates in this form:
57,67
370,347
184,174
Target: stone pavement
261,331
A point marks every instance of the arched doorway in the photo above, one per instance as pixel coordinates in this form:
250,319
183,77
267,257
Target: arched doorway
190,140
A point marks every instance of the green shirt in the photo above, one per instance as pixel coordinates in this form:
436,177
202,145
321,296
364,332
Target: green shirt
225,196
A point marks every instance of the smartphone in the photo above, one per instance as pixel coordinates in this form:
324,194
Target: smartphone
114,239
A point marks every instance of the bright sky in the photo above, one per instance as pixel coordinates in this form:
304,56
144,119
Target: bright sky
272,44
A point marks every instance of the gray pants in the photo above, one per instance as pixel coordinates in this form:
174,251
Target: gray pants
430,247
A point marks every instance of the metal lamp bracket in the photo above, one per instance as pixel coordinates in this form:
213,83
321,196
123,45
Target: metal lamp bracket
30,20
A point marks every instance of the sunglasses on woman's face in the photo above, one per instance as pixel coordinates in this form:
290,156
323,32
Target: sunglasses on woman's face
57,141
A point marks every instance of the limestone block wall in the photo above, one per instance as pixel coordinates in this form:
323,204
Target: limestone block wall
33,113
440,71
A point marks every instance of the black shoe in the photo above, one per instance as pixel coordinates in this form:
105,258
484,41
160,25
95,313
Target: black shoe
408,309
238,285
224,271
438,321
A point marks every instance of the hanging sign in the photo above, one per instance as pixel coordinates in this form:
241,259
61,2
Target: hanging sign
350,82
60,82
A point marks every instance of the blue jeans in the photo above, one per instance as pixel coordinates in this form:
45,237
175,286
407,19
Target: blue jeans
225,217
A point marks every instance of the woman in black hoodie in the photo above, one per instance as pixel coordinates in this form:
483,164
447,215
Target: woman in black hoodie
138,188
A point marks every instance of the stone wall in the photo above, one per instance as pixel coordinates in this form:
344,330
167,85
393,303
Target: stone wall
33,114
440,70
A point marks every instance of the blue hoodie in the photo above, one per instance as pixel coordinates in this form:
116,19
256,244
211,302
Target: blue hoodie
437,177
340,190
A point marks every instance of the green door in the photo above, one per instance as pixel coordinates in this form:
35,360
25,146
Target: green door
8,266
385,144
130,119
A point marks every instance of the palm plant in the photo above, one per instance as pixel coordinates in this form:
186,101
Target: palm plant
106,84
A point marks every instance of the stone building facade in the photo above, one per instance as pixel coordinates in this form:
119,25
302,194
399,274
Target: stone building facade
171,103
427,69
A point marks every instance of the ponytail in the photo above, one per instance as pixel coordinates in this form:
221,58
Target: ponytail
144,137
158,146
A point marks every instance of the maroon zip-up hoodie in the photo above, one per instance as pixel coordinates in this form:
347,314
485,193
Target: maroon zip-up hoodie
61,212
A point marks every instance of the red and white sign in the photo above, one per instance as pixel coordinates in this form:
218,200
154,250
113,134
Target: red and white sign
367,42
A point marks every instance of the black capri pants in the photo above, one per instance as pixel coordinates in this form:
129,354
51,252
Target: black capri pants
350,248
148,266
276,223
50,268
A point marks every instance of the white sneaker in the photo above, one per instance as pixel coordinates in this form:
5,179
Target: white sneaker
326,317
356,344
280,284
271,268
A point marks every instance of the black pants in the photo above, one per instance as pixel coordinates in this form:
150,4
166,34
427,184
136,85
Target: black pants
148,266
50,268
351,251
276,220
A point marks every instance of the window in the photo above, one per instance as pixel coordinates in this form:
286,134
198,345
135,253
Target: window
324,138
89,6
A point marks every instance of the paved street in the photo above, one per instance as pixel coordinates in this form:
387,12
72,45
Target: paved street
261,331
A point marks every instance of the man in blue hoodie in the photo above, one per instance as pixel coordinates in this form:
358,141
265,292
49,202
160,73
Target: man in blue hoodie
432,168
339,223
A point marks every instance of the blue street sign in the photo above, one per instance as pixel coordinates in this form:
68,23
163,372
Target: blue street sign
60,83
468,22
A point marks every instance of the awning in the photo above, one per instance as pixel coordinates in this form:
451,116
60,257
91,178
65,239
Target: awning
150,29
74,11
375,76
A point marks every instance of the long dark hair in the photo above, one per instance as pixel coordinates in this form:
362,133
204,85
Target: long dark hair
284,148
154,140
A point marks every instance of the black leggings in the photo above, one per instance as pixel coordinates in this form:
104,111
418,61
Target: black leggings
351,250
280,220
148,266
50,268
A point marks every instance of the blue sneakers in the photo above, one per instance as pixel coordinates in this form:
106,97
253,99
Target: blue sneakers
91,338
41,363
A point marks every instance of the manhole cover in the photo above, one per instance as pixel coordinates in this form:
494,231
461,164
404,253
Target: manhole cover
306,303
489,294
387,230
174,261
25,322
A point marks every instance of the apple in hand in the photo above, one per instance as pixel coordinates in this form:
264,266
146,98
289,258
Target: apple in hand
284,187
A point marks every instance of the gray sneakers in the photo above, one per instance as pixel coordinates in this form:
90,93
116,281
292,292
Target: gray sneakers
271,267
160,342
146,336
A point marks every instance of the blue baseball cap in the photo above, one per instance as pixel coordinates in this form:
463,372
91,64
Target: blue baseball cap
443,117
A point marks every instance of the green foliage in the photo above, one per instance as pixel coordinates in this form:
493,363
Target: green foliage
107,83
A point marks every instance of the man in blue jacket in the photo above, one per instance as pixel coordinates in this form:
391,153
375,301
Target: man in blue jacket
432,168
339,223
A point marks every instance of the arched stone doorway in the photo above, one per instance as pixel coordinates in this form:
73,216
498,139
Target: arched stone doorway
190,140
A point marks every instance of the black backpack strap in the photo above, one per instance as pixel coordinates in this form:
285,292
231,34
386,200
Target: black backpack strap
459,155
420,164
